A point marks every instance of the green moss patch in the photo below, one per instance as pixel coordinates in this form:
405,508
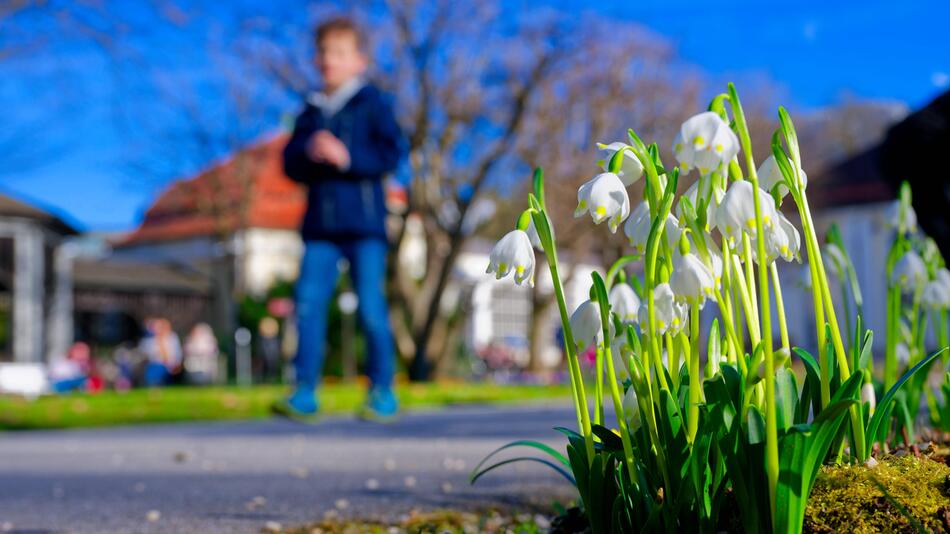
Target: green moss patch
433,522
853,498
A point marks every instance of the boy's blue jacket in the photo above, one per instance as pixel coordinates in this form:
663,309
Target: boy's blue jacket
347,204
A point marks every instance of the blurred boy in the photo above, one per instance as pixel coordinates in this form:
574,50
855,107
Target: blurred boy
343,143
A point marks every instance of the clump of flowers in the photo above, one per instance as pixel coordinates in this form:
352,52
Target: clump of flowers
685,434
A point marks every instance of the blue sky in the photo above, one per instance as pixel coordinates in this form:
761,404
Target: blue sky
78,155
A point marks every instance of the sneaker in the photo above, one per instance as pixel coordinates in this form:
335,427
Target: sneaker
300,406
380,406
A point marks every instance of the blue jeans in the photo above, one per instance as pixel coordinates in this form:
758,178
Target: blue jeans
315,288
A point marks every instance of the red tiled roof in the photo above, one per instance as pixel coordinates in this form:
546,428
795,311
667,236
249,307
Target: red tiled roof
210,202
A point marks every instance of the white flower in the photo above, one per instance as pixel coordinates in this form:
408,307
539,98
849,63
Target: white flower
619,349
691,194
631,409
909,272
706,142
630,169
624,302
586,326
943,276
637,228
513,252
781,240
691,280
736,213
770,174
669,314
901,217
935,295
867,395
605,197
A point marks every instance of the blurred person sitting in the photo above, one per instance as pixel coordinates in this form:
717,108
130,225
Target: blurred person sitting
343,143
72,372
163,349
201,355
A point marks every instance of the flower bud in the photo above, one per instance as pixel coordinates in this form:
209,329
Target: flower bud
631,408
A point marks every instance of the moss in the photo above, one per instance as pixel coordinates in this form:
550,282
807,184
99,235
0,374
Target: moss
847,499
438,522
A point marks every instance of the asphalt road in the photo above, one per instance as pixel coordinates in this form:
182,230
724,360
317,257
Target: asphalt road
246,476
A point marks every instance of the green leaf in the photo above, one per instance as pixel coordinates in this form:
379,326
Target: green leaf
786,395
526,443
883,406
475,476
608,438
756,426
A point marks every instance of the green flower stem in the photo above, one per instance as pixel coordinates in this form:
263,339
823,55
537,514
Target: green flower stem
616,267
692,419
577,379
731,294
780,307
621,417
599,385
735,349
672,360
820,329
750,275
771,418
857,420
747,306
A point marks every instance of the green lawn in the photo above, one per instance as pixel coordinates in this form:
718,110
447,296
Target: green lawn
231,402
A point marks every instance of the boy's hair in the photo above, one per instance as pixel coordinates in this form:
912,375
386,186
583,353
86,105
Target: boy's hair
340,25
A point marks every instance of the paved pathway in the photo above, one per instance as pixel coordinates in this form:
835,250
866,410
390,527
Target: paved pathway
238,476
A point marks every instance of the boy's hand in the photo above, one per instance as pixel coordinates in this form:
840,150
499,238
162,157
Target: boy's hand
324,147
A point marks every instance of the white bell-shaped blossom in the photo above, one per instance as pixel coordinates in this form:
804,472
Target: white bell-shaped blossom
619,351
900,217
736,213
631,409
624,302
705,142
630,169
586,326
691,280
669,314
605,198
637,228
692,193
513,252
782,240
935,295
943,277
909,272
770,174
